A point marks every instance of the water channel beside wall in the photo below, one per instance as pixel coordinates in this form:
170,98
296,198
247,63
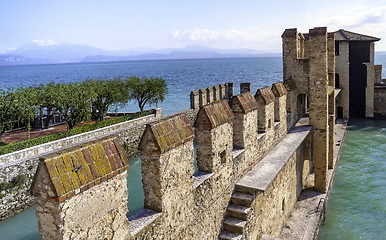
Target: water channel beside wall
24,226
356,206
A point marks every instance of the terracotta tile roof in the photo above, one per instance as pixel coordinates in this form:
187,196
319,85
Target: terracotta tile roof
279,89
77,169
214,115
167,133
264,96
343,35
244,102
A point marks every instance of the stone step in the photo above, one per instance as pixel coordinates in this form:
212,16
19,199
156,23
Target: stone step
245,189
239,212
224,235
234,225
243,199
266,237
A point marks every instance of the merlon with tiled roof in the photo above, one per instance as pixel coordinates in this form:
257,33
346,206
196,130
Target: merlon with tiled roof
214,115
279,89
264,96
167,133
344,35
77,169
244,102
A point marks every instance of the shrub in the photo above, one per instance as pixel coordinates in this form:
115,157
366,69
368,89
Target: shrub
15,182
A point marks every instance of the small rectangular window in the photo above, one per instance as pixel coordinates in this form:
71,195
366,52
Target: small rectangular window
336,48
223,157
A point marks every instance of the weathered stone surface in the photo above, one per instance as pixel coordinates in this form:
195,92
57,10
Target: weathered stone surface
379,103
93,214
77,169
166,134
250,171
23,164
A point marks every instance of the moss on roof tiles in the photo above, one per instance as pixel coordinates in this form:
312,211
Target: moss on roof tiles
167,133
214,115
76,169
244,102
279,89
264,96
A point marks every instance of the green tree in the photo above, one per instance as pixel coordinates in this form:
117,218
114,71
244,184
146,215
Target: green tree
106,94
146,90
48,98
74,103
16,108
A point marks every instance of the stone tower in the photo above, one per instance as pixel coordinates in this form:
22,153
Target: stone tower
309,72
355,74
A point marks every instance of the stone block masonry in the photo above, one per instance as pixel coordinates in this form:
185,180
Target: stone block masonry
180,202
308,73
251,163
78,184
202,97
17,169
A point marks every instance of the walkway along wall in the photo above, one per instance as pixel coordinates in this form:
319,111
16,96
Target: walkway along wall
248,176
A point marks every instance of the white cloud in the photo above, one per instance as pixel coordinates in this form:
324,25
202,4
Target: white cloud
355,19
46,42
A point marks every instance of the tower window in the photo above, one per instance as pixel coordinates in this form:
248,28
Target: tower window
336,48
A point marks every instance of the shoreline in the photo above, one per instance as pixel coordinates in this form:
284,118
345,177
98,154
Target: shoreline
309,211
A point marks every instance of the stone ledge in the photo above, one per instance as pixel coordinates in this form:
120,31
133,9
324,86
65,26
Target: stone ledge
23,155
337,91
141,219
266,237
237,152
200,177
260,135
265,171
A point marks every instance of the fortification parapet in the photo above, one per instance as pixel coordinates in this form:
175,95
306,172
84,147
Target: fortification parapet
280,93
214,120
90,175
202,97
216,93
180,202
205,96
245,87
378,74
265,100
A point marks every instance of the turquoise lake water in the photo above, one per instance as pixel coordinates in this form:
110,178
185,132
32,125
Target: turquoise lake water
182,76
356,207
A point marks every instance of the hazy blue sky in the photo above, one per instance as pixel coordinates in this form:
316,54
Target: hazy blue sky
126,24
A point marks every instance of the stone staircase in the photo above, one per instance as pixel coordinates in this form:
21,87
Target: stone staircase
237,215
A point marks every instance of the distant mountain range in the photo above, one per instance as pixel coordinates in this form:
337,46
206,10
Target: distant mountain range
72,53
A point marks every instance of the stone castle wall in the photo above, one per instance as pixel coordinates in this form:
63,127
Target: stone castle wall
379,102
235,138
19,167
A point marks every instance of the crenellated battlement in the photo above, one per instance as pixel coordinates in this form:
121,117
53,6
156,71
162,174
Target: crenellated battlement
204,96
230,167
231,135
